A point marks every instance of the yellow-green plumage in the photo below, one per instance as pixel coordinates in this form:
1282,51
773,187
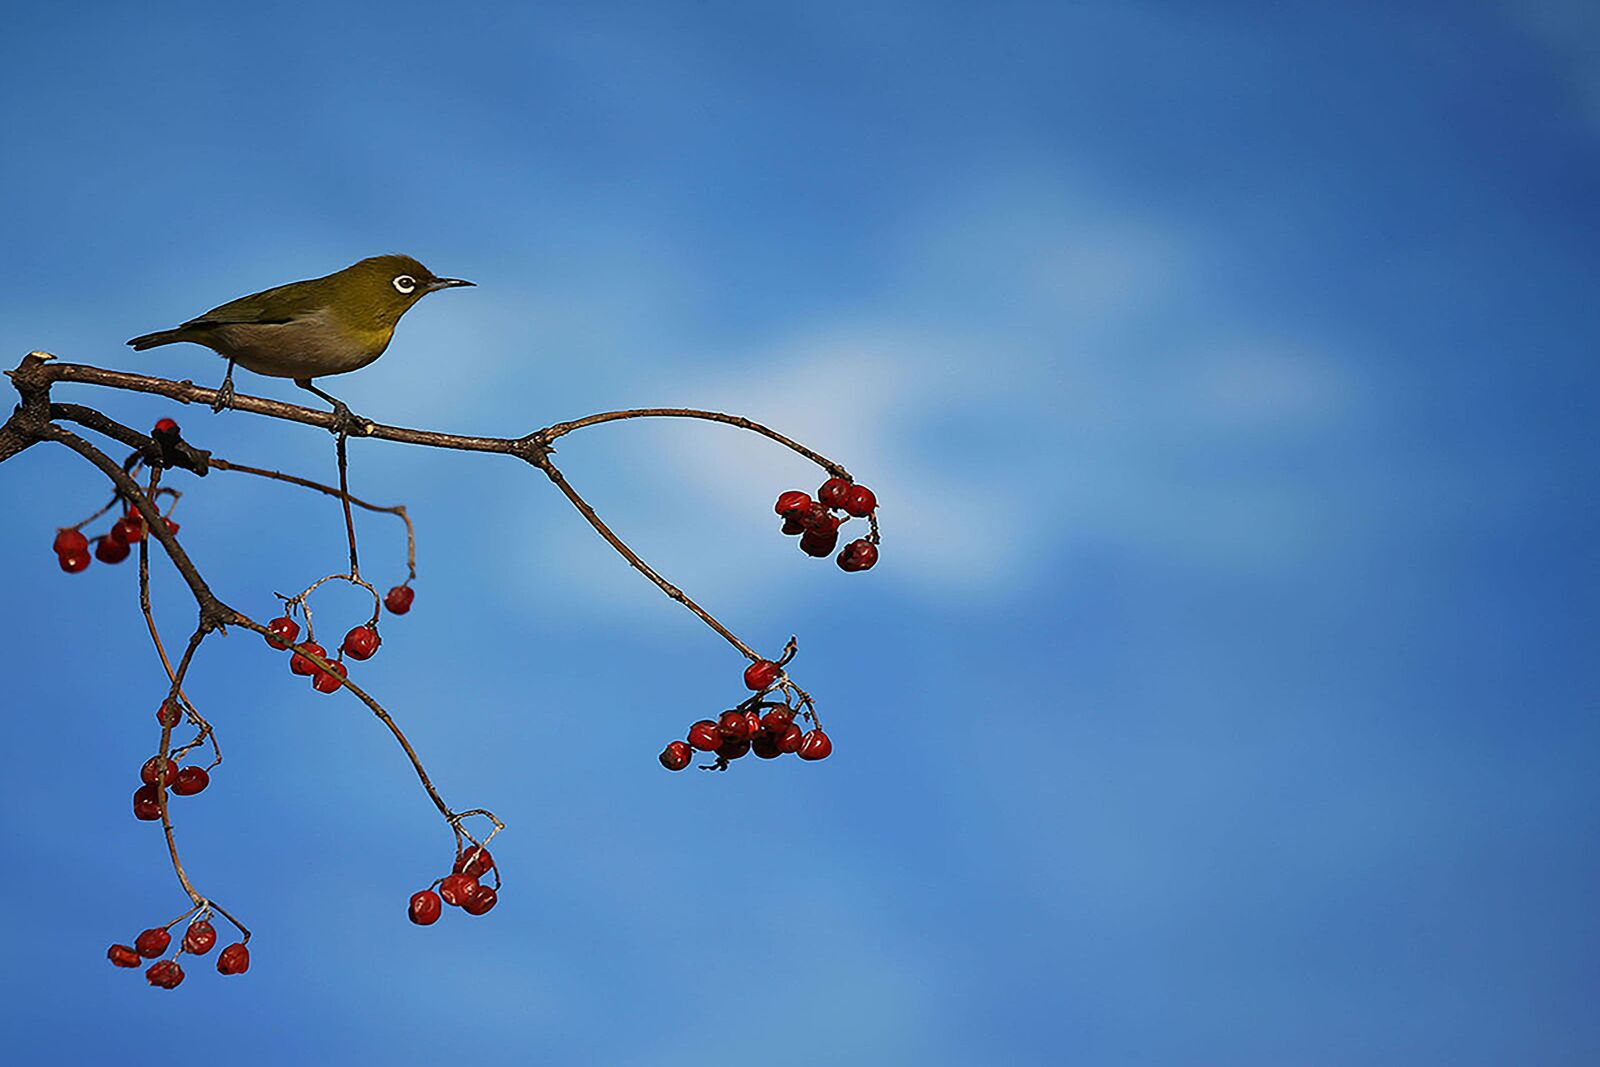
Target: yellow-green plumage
304,330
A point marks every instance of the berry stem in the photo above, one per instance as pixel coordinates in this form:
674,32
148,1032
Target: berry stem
307,483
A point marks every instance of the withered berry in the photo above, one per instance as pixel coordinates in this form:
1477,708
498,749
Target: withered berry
300,664
166,974
330,680
70,542
199,938
191,780
474,860
835,492
676,756
149,772
454,889
793,500
361,642
398,600
235,959
424,909
482,899
858,555
146,805
861,501
107,550
152,942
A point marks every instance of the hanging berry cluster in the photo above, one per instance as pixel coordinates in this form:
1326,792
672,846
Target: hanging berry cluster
817,524
199,938
360,642
163,771
764,726
462,888
115,545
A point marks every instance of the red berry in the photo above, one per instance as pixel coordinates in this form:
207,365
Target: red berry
704,735
424,909
235,959
793,500
152,942
300,664
676,756
752,724
817,517
74,562
456,888
169,713
792,524
815,745
766,746
166,974
199,938
835,492
819,543
777,720
398,600
733,726
858,555
146,806
330,680
149,772
761,674
172,527
123,956
789,740
70,542
191,780
166,426
361,642
107,550
482,899
282,632
129,529
861,501
475,861
733,749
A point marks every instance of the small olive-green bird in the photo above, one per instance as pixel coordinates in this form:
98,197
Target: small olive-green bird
310,329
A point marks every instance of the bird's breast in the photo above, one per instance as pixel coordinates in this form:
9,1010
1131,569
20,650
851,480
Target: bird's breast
309,347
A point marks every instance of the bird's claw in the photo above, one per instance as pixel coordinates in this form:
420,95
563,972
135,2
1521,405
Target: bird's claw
348,424
224,398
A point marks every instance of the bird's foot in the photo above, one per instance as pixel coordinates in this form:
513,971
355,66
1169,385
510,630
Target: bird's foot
348,424
224,398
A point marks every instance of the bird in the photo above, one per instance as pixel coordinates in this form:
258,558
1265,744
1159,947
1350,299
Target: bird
310,329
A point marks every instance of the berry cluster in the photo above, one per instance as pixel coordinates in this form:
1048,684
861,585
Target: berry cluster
461,888
359,643
765,727
198,939
183,781
818,527
113,546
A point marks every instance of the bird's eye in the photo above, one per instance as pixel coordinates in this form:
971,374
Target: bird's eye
405,284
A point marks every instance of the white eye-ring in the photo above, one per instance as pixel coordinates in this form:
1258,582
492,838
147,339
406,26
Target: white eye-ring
405,284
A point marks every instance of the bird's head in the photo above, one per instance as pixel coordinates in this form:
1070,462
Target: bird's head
385,287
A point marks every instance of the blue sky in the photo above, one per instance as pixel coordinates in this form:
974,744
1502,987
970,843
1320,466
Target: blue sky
1226,375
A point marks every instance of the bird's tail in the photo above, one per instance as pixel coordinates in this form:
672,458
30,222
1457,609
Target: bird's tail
160,337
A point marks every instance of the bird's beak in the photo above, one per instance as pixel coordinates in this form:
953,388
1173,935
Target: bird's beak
447,283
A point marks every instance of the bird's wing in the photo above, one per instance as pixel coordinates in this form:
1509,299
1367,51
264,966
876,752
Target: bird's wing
271,307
